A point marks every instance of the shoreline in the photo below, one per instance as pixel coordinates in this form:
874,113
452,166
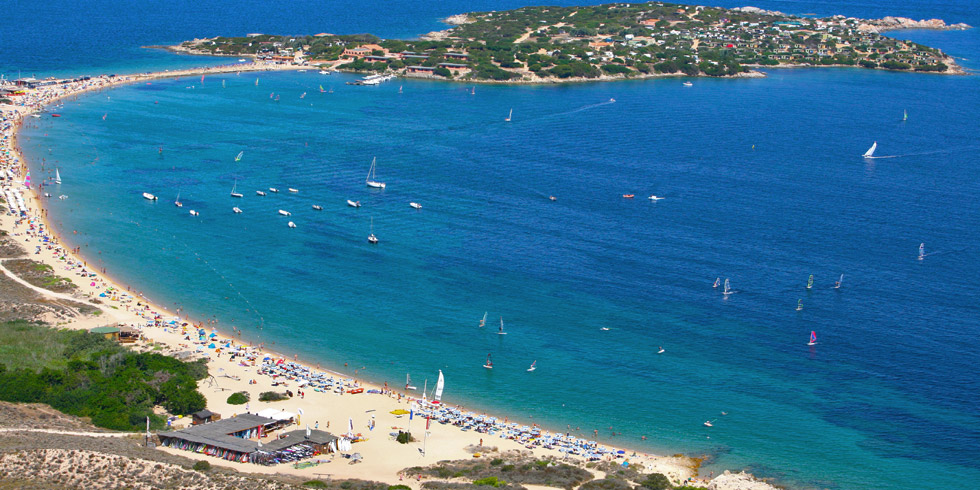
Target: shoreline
677,469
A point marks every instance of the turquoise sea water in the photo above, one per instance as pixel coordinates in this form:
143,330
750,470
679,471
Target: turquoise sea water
888,395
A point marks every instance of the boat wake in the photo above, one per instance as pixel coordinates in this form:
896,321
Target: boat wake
583,108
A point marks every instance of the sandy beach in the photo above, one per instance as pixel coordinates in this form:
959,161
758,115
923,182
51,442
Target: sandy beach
235,365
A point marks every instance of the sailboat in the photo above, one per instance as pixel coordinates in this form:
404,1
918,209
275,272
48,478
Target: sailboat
321,89
233,193
871,151
256,82
728,289
905,115
57,177
509,115
799,305
238,157
439,386
177,201
408,382
399,89
809,282
484,321
813,338
533,367
473,91
500,331
489,364
922,251
839,282
371,237
371,176
717,282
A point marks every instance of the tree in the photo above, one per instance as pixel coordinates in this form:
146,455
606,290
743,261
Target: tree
443,72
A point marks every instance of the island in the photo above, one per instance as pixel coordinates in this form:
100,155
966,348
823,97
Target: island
612,41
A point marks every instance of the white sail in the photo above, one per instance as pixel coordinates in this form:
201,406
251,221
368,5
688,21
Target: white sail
922,250
728,289
439,386
871,151
57,176
371,176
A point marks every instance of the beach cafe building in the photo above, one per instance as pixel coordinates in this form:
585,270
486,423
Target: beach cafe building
237,439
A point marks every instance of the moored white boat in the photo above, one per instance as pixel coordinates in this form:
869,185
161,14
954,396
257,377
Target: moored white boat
194,213
293,190
318,207
354,204
415,205
273,189
371,176
235,193
260,193
291,224
148,196
237,210
284,213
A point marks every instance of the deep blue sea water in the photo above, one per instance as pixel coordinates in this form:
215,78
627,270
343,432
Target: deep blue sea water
764,184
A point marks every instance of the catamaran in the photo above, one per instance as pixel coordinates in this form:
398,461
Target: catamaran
809,282
922,251
371,176
489,364
533,367
57,177
717,282
484,321
839,282
509,115
233,192
408,382
813,338
371,237
437,398
238,157
799,305
500,331
871,151
728,289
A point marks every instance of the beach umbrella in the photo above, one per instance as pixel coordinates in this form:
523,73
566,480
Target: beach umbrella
211,346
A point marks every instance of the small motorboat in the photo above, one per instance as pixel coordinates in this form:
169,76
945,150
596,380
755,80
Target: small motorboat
260,193
194,213
318,207
372,238
655,198
629,196
415,205
273,189
293,190
354,204
47,194
553,198
707,423
612,100
62,197
291,224
237,210
55,115
661,351
284,213
688,84
149,197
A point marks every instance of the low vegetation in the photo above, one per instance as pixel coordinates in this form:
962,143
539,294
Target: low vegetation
88,375
272,396
512,468
239,398
40,275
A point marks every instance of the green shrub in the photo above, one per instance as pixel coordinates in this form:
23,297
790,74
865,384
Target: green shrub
202,466
272,396
315,484
239,398
490,481
404,437
656,481
399,487
496,462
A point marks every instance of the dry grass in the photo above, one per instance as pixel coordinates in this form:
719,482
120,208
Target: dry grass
514,467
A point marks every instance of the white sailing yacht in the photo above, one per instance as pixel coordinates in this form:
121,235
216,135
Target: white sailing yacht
871,151
371,238
234,193
371,176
